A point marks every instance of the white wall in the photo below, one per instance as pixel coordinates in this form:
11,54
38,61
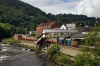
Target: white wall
63,27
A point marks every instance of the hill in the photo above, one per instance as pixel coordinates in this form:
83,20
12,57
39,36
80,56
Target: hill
20,14
26,8
23,15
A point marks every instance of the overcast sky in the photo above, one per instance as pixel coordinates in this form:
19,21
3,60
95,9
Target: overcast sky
90,8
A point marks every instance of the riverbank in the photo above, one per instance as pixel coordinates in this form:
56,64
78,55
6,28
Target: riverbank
26,58
64,51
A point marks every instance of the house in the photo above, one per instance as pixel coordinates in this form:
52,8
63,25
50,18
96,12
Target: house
31,32
47,25
17,36
23,37
79,36
68,26
83,30
71,26
63,27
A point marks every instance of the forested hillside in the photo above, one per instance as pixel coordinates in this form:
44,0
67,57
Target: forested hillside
20,14
24,16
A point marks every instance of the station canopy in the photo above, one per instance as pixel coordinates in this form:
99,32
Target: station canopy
59,31
78,36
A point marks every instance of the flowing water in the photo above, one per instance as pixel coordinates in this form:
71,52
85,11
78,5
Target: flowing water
24,58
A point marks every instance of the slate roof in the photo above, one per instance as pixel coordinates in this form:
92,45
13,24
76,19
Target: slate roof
59,31
78,36
83,29
71,25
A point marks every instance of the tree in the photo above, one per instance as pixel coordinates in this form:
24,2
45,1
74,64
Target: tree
40,18
91,56
54,54
6,31
20,30
62,59
80,24
84,60
54,49
92,36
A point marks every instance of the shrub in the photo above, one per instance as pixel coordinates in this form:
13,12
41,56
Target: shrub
54,49
10,41
84,59
32,48
62,59
85,49
55,56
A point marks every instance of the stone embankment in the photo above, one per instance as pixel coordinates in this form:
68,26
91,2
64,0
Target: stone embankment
29,43
71,51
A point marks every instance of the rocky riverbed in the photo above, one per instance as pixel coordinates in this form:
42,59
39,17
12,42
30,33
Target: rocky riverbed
23,58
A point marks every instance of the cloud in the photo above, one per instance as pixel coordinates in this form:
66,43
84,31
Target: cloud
86,7
55,6
90,8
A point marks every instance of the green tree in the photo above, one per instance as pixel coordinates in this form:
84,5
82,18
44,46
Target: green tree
80,24
62,59
6,31
10,41
40,18
92,36
54,49
91,56
84,59
20,30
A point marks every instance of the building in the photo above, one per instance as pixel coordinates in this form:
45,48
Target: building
71,26
32,32
68,26
79,36
63,27
17,36
23,37
47,25
83,30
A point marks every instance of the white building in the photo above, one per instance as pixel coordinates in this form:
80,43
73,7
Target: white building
68,26
63,27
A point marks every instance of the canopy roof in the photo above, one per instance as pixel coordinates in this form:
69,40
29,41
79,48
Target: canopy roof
59,31
78,36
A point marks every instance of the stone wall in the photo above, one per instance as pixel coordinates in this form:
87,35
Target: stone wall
69,50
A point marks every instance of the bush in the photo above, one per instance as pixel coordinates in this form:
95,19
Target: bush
10,41
55,55
54,49
32,48
84,59
62,59
85,49
96,50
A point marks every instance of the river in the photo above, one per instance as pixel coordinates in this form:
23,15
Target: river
24,58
